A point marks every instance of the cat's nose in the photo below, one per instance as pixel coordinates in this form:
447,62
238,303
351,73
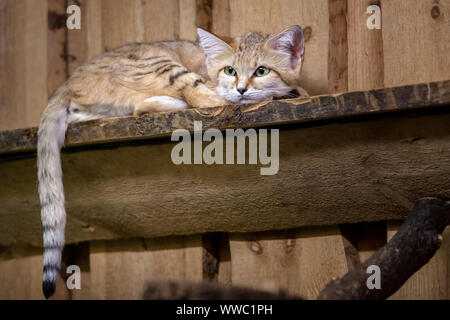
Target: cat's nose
241,90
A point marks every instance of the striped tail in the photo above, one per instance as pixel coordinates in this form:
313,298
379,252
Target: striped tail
51,134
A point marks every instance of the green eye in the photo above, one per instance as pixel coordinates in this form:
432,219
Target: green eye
229,71
262,71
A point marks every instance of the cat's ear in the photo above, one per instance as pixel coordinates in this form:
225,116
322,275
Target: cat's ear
212,45
290,42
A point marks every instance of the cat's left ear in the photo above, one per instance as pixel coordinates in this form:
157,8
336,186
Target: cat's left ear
290,42
212,45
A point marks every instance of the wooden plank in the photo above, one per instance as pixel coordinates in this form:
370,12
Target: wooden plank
430,282
335,173
365,48
338,47
86,42
120,269
204,14
56,45
278,112
20,273
221,17
187,17
300,262
23,51
161,18
415,41
119,23
272,16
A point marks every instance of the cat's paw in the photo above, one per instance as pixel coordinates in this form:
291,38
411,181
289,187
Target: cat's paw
211,101
302,92
160,104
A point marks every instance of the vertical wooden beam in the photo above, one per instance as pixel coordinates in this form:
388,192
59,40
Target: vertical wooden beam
210,256
361,240
216,257
204,14
350,242
221,17
168,20
337,46
365,48
187,20
56,45
23,61
119,22
87,42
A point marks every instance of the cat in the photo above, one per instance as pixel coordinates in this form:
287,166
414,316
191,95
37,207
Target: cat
156,77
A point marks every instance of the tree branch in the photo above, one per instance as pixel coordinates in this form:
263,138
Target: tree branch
415,243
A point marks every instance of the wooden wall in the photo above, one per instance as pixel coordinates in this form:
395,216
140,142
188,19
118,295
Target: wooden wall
37,53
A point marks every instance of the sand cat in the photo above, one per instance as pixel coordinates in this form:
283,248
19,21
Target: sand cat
156,77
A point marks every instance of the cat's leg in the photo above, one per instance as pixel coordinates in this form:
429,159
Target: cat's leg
191,88
200,96
160,104
184,89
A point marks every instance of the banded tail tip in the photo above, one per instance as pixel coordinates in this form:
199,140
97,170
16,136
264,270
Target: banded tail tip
48,288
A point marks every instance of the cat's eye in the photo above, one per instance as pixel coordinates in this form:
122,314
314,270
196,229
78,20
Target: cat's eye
262,71
230,71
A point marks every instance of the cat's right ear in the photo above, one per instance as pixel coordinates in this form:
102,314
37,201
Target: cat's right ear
212,45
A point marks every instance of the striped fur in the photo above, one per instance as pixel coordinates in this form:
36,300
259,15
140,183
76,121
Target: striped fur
51,134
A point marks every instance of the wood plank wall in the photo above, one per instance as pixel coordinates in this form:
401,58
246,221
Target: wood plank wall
37,53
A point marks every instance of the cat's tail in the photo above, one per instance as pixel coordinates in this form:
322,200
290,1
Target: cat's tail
51,134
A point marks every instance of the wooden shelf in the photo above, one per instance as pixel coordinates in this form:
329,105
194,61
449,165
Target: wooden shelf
357,156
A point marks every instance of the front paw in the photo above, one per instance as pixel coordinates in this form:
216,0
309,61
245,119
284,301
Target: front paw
302,92
212,102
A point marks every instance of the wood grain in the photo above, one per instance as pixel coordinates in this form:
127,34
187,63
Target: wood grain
119,20
415,41
56,45
20,272
120,269
87,42
338,47
365,48
23,61
221,13
300,262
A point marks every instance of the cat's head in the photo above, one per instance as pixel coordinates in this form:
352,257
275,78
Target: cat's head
254,67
